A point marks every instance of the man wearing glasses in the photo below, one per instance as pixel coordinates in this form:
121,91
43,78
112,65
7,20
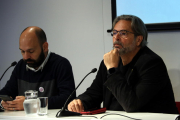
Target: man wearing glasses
131,77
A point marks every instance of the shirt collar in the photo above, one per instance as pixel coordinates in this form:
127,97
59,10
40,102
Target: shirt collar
42,65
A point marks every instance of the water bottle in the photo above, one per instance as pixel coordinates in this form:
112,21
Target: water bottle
30,103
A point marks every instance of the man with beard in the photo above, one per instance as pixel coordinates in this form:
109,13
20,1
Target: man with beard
131,77
41,70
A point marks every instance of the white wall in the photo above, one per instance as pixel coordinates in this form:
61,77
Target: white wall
76,29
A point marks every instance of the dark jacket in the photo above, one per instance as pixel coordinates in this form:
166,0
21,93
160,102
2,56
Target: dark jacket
145,87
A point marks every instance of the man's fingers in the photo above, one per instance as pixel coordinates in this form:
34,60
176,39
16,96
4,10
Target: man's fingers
71,106
20,97
81,108
115,51
10,107
11,102
76,106
4,104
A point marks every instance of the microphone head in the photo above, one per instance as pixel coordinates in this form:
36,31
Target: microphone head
93,70
14,63
109,30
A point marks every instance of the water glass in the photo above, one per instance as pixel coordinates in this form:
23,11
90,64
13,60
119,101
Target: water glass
42,105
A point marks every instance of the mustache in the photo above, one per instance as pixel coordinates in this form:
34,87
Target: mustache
118,43
28,60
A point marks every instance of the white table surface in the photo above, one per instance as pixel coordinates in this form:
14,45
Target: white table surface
20,115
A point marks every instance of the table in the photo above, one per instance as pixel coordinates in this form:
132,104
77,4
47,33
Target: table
20,115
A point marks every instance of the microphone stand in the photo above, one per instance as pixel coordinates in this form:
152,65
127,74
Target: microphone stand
63,111
12,64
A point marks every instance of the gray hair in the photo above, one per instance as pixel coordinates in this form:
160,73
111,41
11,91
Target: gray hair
137,26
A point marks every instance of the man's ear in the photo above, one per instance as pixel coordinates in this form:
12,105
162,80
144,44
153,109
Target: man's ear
45,47
139,40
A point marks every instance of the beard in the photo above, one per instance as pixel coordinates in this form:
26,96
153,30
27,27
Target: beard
126,49
36,63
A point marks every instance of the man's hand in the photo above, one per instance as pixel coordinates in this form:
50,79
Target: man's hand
111,59
76,106
16,104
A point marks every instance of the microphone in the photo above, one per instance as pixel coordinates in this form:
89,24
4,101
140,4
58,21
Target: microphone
64,112
12,64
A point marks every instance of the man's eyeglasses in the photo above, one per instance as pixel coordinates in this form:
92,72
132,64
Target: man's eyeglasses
122,33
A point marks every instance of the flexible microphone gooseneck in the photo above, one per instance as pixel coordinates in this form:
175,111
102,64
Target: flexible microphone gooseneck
64,112
12,64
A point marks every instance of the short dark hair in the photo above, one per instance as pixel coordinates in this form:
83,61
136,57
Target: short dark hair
137,26
40,34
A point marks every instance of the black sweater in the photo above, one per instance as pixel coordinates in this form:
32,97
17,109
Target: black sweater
144,86
56,78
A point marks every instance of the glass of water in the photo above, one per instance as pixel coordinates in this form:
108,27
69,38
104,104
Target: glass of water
43,105
30,103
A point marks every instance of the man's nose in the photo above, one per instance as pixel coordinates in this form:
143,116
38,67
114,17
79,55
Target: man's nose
117,36
26,55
